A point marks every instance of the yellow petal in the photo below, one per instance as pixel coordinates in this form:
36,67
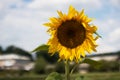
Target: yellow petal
71,12
81,14
88,20
47,24
54,20
60,13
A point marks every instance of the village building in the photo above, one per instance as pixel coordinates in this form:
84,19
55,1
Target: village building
83,68
14,61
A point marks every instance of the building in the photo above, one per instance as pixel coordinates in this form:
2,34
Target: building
106,56
14,61
83,68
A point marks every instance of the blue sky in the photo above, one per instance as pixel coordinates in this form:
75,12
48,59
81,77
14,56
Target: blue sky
21,21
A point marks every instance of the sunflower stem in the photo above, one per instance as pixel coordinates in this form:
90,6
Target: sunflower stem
67,71
73,68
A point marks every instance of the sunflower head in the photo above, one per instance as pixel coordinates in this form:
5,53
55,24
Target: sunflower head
71,35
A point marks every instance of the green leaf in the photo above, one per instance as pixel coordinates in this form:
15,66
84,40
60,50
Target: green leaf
41,47
79,78
98,35
92,62
54,76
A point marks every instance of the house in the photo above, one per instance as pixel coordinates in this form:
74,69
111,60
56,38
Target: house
106,56
14,61
83,68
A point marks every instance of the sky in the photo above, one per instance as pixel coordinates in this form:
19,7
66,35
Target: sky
21,21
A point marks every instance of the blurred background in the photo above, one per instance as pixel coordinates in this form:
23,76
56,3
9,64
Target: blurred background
22,30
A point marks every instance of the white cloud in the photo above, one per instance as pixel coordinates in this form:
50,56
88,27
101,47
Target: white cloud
103,46
110,31
1,6
22,30
108,25
43,3
115,35
21,27
62,4
21,23
115,3
91,3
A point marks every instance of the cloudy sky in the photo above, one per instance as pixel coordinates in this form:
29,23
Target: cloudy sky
21,21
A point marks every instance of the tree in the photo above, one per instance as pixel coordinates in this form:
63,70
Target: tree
47,56
40,65
16,50
1,50
42,51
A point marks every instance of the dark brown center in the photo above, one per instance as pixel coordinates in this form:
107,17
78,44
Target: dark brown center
71,34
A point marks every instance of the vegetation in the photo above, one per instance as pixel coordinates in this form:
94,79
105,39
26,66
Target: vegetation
40,65
46,56
106,66
43,59
88,76
1,49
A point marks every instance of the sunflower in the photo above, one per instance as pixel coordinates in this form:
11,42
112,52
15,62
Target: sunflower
71,35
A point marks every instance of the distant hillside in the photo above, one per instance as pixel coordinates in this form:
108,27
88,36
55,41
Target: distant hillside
15,50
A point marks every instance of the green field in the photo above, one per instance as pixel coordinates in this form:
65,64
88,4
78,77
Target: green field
88,76
102,76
